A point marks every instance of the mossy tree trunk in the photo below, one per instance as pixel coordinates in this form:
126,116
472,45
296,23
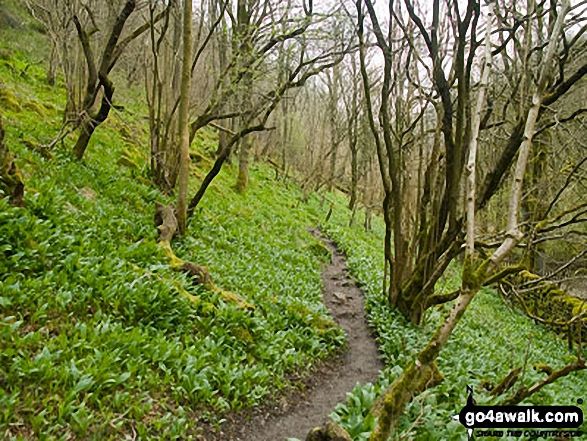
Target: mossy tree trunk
11,182
242,180
184,102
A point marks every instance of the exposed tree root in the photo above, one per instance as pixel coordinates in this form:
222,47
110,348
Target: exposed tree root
167,225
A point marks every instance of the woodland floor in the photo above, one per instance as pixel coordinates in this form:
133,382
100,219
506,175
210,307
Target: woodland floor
293,415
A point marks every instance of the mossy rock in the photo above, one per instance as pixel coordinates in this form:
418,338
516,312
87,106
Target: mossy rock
299,309
49,106
577,305
235,299
8,100
322,324
527,275
329,432
125,132
126,162
551,303
132,157
243,335
5,54
34,106
207,308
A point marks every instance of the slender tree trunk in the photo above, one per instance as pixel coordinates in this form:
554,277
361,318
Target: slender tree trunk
475,125
221,48
222,139
184,102
354,177
284,136
334,135
383,164
52,70
245,45
242,180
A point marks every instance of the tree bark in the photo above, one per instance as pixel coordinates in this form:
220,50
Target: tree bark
92,121
184,102
242,180
476,123
245,47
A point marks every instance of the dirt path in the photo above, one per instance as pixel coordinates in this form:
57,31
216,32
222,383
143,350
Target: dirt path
294,416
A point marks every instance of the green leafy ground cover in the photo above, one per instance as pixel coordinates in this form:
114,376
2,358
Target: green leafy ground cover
490,341
96,339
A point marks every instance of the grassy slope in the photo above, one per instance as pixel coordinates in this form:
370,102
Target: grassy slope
490,340
96,339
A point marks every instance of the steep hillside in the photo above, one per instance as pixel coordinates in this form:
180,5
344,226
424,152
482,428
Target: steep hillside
99,339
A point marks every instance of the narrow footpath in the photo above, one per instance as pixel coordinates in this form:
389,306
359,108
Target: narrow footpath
294,416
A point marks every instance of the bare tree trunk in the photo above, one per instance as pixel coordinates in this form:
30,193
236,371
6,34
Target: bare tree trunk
52,70
352,112
476,123
383,165
334,135
242,180
354,174
245,46
221,47
90,121
160,95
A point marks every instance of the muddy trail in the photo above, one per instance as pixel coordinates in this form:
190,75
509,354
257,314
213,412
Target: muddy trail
293,415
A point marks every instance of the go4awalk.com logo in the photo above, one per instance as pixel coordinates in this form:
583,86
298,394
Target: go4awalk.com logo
520,421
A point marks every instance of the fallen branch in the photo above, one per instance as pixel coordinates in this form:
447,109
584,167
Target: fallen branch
507,383
524,392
